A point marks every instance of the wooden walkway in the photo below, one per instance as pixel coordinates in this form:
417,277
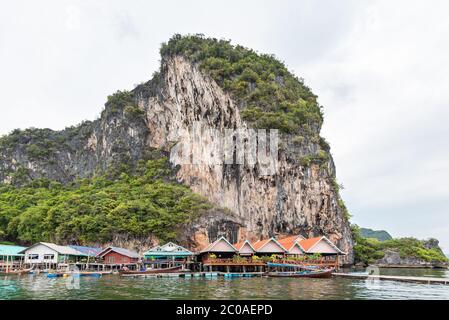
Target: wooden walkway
425,280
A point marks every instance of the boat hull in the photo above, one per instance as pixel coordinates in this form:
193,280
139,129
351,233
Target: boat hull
74,274
313,274
153,271
24,271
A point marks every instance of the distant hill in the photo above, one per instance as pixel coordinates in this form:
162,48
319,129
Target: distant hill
379,248
380,235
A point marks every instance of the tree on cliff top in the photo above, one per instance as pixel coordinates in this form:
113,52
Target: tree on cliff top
270,96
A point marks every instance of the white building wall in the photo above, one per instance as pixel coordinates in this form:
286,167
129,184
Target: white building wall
41,251
323,247
222,246
246,249
295,250
270,247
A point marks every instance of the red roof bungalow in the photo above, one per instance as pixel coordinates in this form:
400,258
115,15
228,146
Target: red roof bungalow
292,245
320,245
269,247
115,255
245,248
221,248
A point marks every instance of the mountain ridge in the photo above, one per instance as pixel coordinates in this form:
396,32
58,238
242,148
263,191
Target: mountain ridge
380,235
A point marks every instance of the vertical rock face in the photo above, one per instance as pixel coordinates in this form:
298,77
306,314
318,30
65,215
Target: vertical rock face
296,198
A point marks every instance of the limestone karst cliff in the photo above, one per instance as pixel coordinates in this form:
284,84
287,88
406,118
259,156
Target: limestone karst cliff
191,89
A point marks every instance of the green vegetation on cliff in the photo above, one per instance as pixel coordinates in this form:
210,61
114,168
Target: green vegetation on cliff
40,143
271,97
121,101
94,210
369,250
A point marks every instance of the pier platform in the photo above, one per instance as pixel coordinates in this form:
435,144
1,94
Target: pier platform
424,280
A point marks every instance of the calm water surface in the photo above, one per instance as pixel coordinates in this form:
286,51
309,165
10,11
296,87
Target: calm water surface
114,287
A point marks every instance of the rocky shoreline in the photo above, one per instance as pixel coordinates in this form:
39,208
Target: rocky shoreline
409,266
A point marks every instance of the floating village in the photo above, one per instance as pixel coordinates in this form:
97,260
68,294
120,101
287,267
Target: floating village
293,256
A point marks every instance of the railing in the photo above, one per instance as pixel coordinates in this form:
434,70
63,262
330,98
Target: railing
306,262
15,263
250,262
149,261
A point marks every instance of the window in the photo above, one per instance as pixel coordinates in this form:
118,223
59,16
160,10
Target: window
33,256
49,256
111,259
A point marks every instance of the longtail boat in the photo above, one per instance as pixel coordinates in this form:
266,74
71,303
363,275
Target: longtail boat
299,271
153,271
325,273
75,274
21,271
293,266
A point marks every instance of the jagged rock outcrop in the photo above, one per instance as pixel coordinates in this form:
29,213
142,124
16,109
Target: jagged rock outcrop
297,198
212,225
393,258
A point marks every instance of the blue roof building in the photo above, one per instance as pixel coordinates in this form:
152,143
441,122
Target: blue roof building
11,251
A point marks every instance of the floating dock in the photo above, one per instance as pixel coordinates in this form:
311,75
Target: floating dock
424,280
241,275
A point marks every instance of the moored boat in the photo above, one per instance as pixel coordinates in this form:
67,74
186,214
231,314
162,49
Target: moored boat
87,274
20,271
153,271
54,275
325,273
74,274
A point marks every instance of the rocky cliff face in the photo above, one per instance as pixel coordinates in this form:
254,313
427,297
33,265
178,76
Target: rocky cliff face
297,197
394,259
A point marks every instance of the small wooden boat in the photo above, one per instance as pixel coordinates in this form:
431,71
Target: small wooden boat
153,271
105,272
74,274
325,273
21,271
54,275
86,274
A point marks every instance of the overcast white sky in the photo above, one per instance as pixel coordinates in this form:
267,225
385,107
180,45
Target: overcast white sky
380,69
